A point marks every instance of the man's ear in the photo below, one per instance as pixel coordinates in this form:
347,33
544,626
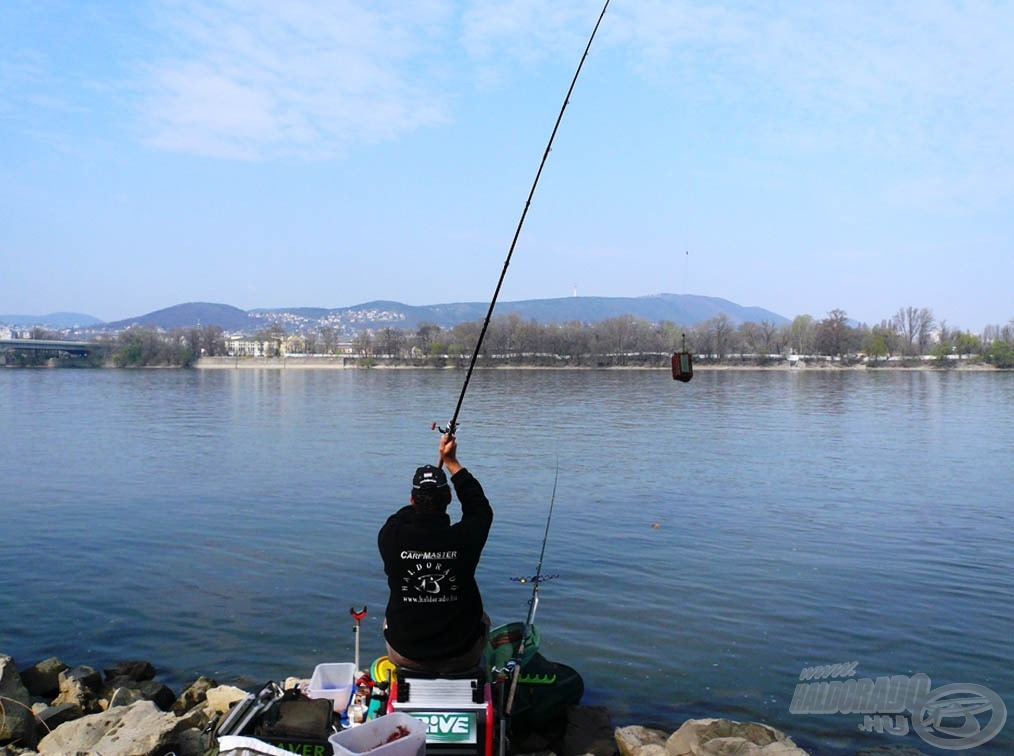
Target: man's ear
411,499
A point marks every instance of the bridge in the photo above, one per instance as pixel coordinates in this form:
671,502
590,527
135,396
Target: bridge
81,348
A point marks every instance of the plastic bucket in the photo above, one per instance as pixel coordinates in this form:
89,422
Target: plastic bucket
373,736
334,681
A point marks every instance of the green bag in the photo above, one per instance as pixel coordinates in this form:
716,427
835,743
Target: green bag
545,688
505,640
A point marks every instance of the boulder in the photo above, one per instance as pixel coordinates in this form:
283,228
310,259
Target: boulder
589,731
192,742
198,717
636,740
51,717
195,694
123,697
147,690
43,678
17,723
138,671
120,731
79,686
220,699
725,737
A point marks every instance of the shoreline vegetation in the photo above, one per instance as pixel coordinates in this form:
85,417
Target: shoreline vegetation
785,365
331,362
907,341
700,365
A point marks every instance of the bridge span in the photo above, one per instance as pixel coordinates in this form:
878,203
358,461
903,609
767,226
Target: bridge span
82,348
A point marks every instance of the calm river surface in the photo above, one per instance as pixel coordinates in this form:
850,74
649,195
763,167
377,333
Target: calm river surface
712,538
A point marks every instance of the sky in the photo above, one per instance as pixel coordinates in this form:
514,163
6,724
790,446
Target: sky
797,156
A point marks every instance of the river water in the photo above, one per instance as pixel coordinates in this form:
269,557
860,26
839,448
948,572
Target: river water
712,539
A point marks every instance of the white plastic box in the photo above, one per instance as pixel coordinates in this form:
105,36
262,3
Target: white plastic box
371,737
334,681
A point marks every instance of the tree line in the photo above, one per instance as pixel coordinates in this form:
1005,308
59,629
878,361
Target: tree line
137,346
911,334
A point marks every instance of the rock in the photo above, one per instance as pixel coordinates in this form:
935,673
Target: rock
162,695
220,699
138,671
630,740
10,750
17,723
124,697
51,717
195,694
589,731
79,686
122,731
192,742
725,737
198,717
147,690
43,678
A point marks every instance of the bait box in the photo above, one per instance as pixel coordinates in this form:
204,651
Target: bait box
372,736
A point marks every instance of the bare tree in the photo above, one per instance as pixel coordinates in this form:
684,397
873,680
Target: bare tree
915,324
330,338
750,338
835,337
800,334
768,332
722,327
426,334
391,342
363,344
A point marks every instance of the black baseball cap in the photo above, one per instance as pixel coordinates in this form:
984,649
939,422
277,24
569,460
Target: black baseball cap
429,476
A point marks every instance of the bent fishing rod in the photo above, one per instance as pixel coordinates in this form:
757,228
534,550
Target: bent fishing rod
453,424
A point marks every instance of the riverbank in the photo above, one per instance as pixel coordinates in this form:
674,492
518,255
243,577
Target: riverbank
51,708
329,362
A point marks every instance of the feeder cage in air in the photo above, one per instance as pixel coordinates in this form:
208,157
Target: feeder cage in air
682,366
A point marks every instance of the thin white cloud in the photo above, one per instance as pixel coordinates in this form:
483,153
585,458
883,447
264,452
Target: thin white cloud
258,80
896,72
874,75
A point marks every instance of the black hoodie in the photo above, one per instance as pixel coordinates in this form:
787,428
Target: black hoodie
435,611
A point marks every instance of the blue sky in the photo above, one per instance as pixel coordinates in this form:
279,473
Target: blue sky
264,153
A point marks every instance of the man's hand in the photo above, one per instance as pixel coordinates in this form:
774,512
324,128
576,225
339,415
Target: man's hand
449,454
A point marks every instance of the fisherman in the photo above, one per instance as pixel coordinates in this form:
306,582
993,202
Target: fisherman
435,620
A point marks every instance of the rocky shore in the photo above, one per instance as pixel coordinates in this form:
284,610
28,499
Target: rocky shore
52,708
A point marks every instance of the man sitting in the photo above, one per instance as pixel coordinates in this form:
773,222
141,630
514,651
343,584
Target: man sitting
435,620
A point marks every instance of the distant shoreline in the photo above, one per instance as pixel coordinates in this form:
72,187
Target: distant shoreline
353,363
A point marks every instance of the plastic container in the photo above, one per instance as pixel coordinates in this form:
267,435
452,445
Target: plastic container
334,681
371,737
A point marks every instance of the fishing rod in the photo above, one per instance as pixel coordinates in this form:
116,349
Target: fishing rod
514,665
453,424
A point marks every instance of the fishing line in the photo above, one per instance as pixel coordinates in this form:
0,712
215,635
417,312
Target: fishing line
453,424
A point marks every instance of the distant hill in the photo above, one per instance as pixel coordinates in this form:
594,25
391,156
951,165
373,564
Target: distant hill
683,309
52,320
193,314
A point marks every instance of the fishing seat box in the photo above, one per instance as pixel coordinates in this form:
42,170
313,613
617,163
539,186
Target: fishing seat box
300,726
457,709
